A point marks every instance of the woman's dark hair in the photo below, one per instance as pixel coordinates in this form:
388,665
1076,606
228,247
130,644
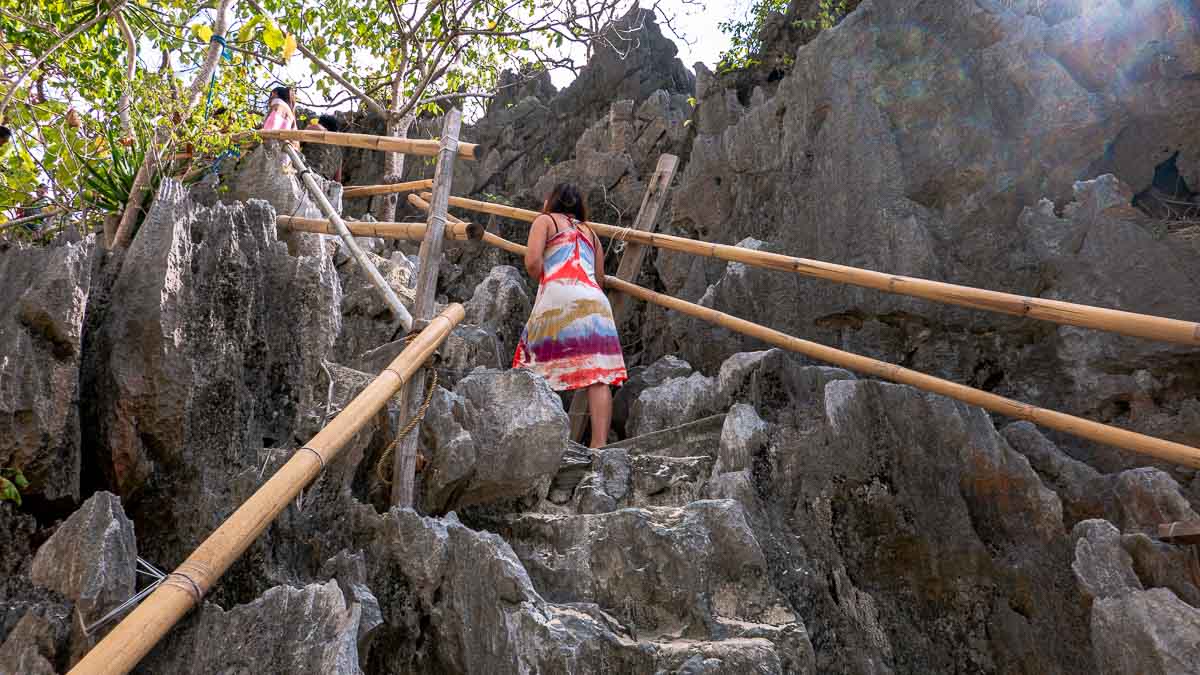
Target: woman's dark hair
566,198
5,133
282,93
329,123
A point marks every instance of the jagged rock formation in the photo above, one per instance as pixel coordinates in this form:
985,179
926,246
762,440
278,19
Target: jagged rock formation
759,513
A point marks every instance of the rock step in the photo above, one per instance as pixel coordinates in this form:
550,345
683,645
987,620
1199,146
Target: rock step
618,479
702,437
689,573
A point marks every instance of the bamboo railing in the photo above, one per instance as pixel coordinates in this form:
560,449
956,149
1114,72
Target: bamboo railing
384,230
408,146
1051,419
486,237
1056,311
382,288
184,588
372,190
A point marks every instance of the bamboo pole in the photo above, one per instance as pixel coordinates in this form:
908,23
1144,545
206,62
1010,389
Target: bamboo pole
137,634
1077,426
1056,311
381,285
409,231
628,269
485,236
408,146
372,190
404,462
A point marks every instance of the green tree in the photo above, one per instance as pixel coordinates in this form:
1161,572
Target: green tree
402,59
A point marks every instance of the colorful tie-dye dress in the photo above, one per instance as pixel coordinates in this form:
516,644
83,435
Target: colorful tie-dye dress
571,338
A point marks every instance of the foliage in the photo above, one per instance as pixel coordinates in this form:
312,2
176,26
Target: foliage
110,180
745,33
12,481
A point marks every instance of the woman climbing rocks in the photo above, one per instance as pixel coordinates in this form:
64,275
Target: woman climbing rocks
280,113
571,338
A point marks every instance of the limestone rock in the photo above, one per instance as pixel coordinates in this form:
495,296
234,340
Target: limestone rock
1150,632
91,558
641,378
287,630
697,566
742,435
501,435
43,298
1102,567
500,302
212,349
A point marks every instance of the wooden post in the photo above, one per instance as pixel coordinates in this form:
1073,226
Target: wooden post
381,285
630,265
1056,311
404,464
184,588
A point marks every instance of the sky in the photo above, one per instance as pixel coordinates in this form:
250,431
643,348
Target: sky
695,20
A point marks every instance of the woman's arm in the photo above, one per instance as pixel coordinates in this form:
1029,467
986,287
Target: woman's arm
599,257
534,255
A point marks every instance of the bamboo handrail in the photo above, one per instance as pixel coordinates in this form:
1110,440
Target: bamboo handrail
1056,311
1101,433
399,311
408,146
137,634
385,230
1051,419
485,236
361,191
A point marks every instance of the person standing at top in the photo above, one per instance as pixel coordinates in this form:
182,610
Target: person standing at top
280,112
571,337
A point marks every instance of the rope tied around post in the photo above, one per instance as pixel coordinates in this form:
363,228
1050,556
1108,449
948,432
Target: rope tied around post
386,458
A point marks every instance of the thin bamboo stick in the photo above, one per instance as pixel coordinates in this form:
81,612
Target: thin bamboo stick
408,146
372,190
484,235
381,285
137,634
1056,311
1077,426
410,231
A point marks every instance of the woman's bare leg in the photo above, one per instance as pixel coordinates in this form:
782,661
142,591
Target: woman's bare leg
600,404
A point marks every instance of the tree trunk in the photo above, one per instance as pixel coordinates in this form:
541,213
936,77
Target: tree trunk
393,170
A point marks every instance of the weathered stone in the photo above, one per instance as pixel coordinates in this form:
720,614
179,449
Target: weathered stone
501,435
501,303
641,378
697,566
367,320
1151,632
91,558
37,645
672,403
212,348
743,434
1102,567
43,296
287,630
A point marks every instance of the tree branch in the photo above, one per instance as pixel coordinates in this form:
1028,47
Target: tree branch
130,66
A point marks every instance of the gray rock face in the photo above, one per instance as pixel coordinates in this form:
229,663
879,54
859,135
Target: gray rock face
501,435
287,630
367,320
742,435
501,303
43,297
91,558
211,350
862,157
700,571
1146,632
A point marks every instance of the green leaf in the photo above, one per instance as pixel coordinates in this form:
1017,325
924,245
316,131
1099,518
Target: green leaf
203,32
246,32
19,479
273,37
9,491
